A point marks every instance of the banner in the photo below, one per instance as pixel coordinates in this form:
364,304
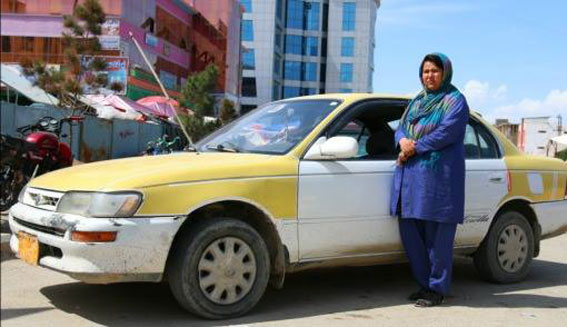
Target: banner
110,37
116,72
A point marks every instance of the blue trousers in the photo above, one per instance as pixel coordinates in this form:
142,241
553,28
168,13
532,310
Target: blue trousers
429,247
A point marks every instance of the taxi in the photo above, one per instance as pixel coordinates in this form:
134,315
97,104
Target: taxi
296,184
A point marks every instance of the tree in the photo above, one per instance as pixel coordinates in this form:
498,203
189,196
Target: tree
227,112
82,68
198,89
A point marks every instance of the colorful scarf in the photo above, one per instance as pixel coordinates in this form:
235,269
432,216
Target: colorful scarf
426,111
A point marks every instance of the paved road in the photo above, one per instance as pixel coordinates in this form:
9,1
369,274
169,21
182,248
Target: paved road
374,296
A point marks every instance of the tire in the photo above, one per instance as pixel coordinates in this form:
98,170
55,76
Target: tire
506,252
212,281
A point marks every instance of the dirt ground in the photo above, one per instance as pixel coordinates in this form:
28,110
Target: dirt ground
373,296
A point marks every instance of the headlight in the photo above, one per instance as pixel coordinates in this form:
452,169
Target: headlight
91,204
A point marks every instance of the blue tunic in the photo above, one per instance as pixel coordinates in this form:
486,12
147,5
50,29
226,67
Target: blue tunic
431,184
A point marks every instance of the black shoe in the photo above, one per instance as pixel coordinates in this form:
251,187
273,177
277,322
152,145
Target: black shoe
429,299
417,295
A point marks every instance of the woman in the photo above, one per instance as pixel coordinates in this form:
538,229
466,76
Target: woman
429,182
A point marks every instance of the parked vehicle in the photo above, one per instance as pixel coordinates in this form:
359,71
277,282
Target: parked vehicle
163,145
37,151
282,189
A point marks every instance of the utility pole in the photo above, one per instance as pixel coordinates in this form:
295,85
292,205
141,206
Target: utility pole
162,89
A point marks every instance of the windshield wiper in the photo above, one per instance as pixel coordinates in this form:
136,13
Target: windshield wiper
222,148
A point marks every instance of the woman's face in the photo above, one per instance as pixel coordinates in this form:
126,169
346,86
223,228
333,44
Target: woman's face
431,76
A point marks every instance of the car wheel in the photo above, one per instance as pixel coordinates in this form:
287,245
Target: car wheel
220,268
507,250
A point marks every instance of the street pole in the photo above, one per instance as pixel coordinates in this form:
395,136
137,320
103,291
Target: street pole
162,88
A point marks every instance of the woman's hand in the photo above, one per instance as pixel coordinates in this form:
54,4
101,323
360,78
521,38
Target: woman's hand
408,147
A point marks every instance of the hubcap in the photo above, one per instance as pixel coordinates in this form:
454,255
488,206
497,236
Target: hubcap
227,270
512,248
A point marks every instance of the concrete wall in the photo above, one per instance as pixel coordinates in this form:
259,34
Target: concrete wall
92,140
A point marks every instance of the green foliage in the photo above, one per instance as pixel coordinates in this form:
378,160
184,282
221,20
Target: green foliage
562,155
197,128
81,69
227,112
196,93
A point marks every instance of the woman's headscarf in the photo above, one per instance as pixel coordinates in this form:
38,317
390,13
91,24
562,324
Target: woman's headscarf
427,109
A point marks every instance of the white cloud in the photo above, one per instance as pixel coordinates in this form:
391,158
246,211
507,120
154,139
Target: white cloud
480,94
555,103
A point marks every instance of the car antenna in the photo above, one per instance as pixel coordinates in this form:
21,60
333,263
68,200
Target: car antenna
163,90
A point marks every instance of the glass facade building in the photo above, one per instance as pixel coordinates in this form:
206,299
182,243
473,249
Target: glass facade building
309,46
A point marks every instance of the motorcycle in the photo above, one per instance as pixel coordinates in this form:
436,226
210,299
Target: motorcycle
38,151
163,145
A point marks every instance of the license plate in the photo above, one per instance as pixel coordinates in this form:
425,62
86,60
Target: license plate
28,248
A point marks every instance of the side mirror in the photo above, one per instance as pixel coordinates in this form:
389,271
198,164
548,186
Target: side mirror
338,147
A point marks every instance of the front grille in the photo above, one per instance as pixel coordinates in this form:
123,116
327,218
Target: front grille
40,228
42,199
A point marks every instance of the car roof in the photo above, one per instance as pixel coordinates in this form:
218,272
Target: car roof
353,96
363,96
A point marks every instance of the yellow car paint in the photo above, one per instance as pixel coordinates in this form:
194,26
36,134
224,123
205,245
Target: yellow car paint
180,183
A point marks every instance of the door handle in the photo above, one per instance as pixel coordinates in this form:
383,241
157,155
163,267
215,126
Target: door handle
496,179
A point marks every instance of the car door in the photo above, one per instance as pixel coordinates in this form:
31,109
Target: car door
485,184
343,205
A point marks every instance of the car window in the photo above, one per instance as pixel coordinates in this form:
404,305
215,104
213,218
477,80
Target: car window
471,143
273,129
359,132
487,145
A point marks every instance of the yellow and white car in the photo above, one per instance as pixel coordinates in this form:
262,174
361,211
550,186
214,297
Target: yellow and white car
296,184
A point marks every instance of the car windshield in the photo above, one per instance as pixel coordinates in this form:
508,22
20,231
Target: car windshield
274,128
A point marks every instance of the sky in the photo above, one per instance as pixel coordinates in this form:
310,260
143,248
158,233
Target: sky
509,56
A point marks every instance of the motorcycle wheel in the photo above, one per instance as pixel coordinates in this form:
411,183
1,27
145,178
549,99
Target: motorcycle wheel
12,184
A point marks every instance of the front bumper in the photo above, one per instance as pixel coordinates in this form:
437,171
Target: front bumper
139,252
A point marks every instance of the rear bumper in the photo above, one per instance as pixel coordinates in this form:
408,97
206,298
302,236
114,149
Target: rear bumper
552,217
139,252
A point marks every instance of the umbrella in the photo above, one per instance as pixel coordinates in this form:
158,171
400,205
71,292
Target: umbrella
160,106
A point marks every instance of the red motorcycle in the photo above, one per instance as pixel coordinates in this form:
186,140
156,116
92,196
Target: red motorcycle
38,151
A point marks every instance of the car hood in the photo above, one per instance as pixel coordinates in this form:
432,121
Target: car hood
140,172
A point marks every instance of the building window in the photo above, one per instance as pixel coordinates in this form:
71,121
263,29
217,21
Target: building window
307,91
345,90
349,16
346,73
294,14
324,47
293,44
290,92
249,86
245,108
6,45
292,70
312,10
311,46
277,65
347,47
247,31
275,90
278,38
248,61
323,75
309,71
279,11
247,4
325,17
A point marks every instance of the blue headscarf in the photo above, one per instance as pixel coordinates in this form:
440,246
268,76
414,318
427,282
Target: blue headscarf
426,111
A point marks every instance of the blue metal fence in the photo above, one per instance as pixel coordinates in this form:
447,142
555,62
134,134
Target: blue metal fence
92,140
